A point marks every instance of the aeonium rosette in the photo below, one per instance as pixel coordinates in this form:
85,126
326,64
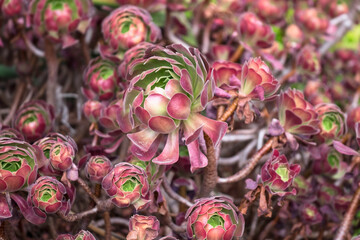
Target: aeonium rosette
308,61
278,175
312,20
254,33
19,162
252,81
101,79
124,28
297,118
168,89
332,122
50,196
59,18
143,228
11,8
34,120
214,218
127,184
271,10
97,168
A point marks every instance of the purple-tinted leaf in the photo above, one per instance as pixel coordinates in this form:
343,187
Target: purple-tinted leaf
341,148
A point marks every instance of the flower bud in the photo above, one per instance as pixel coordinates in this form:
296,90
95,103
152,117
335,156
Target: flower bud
143,228
97,168
278,175
34,120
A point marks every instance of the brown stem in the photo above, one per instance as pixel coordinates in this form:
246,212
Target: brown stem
270,226
237,54
345,224
19,92
53,66
85,49
230,110
210,172
78,216
101,232
289,74
107,225
251,165
173,194
88,190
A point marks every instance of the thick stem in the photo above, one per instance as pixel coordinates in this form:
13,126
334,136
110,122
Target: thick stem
251,165
107,225
230,110
173,194
349,216
19,92
88,190
53,67
237,54
78,216
210,172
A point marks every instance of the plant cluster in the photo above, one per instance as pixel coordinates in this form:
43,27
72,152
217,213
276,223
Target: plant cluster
179,119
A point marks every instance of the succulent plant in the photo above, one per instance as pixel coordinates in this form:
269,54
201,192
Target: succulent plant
34,120
84,235
7,132
294,37
143,228
310,214
19,162
61,156
278,175
59,18
139,3
308,61
353,118
48,195
11,8
168,89
97,168
125,27
92,110
65,237
332,122
327,161
102,80
214,218
312,20
253,32
271,10
127,184
296,117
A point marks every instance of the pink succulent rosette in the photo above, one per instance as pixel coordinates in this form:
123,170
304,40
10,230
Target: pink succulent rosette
297,118
308,61
65,237
59,151
254,33
125,27
92,110
168,89
97,168
7,132
139,3
127,184
84,235
48,195
101,80
334,7
214,218
271,10
310,214
312,20
136,52
251,81
143,228
34,120
11,8
278,175
58,19
294,37
332,122
19,164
